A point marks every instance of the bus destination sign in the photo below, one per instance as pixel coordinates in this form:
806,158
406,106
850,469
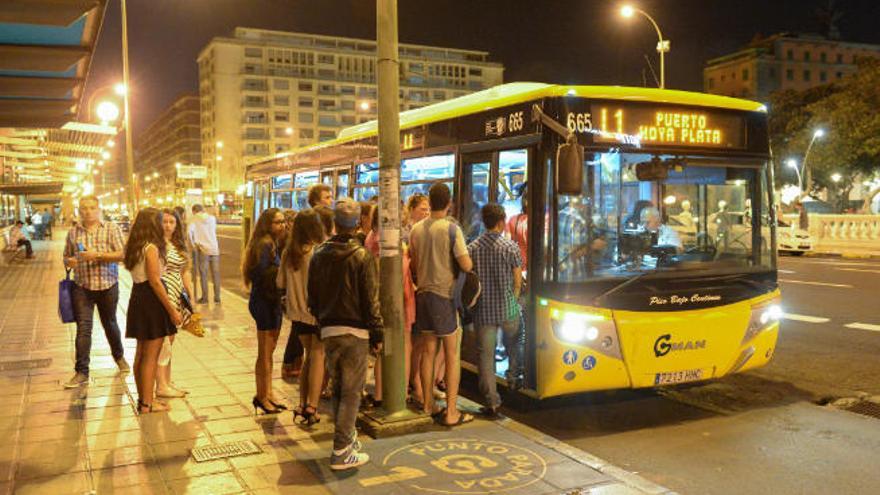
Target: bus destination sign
617,122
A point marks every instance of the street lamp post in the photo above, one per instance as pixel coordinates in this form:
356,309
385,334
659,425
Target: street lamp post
129,147
808,175
793,164
662,45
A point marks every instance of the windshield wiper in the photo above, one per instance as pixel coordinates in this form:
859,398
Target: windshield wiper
597,300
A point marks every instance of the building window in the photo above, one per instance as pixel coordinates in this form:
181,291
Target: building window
306,134
306,102
745,75
282,101
789,74
346,90
327,89
326,104
306,118
839,58
281,84
326,135
282,117
789,54
348,119
806,56
806,75
253,52
723,78
840,75
326,59
475,72
281,148
439,95
347,105
327,120
711,83
823,57
281,132
305,86
823,76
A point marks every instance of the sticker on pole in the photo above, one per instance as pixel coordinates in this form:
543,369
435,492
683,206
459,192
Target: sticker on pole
389,212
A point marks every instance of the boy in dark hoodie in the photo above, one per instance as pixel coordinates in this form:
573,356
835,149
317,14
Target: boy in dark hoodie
344,297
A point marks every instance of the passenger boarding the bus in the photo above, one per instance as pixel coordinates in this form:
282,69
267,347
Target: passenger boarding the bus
665,235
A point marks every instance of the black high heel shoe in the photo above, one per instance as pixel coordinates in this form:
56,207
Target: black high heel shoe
310,416
280,407
297,411
259,405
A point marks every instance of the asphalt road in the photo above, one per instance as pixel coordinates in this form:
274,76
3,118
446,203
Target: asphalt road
764,431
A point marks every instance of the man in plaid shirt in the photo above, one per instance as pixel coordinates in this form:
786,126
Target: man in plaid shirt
498,263
93,250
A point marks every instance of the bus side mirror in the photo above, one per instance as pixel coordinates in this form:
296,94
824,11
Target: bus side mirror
570,167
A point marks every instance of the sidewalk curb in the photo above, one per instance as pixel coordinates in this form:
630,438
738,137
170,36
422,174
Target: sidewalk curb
845,255
630,479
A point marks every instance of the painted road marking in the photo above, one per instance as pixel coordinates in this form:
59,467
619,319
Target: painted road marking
462,466
400,473
863,326
809,282
837,263
858,270
805,318
780,270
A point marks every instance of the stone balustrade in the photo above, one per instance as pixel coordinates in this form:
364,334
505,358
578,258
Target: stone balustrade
840,234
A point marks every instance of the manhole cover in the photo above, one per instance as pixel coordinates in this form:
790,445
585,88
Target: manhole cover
224,450
866,408
27,364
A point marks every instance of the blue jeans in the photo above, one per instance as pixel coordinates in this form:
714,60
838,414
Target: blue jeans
84,302
202,261
346,358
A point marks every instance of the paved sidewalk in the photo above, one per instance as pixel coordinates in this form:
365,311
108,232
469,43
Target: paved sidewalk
89,440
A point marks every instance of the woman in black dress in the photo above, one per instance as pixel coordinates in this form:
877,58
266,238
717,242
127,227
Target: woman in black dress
259,268
151,314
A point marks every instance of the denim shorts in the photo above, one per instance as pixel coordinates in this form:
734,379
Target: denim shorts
435,315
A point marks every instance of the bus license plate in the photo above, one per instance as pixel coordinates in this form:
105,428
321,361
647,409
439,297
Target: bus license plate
678,377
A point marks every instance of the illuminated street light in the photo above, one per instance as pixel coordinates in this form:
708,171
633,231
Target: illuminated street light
80,166
219,158
289,131
111,143
365,105
628,11
793,164
818,133
155,175
219,144
119,89
836,177
808,176
105,155
107,111
147,178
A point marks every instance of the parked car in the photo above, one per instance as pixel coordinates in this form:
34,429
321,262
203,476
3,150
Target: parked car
791,239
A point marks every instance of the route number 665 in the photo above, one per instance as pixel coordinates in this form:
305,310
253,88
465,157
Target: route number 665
579,122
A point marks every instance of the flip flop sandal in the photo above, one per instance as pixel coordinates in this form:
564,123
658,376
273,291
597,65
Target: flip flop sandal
463,418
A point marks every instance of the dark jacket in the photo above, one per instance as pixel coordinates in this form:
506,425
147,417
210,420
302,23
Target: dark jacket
344,288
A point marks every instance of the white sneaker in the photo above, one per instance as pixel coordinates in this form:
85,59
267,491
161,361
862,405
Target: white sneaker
77,380
349,460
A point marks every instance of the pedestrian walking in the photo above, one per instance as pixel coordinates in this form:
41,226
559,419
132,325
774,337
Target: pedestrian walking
292,363
343,295
259,268
37,222
178,283
93,250
203,234
293,278
498,264
435,244
152,316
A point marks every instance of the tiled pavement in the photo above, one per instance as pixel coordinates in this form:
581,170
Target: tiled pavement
55,441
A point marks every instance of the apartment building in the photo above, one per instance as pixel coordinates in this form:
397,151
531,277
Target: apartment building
172,139
783,61
266,92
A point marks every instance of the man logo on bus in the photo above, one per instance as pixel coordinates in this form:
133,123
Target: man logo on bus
662,346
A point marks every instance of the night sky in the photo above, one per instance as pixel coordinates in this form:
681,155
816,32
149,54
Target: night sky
554,41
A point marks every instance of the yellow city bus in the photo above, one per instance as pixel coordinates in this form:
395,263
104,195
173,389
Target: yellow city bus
650,227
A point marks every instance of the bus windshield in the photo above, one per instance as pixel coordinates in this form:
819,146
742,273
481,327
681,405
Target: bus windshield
643,212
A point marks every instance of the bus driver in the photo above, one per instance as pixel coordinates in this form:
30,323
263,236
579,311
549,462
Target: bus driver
666,236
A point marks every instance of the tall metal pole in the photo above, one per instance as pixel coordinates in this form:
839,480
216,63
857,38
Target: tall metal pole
390,261
129,146
808,175
662,47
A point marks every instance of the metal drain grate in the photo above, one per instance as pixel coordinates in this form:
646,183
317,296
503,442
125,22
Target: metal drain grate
866,408
27,364
224,450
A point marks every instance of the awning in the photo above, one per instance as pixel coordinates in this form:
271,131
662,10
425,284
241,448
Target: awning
32,188
46,48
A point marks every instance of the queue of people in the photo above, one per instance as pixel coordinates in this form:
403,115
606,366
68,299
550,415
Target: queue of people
317,268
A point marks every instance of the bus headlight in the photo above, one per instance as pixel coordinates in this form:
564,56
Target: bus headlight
763,315
593,330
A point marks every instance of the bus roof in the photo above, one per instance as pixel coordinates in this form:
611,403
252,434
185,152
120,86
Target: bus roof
519,92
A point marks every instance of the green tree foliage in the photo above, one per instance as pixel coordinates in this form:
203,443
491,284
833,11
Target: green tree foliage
848,112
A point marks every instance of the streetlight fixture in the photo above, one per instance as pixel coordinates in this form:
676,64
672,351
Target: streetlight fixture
628,11
119,89
836,177
289,131
105,155
111,143
107,111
